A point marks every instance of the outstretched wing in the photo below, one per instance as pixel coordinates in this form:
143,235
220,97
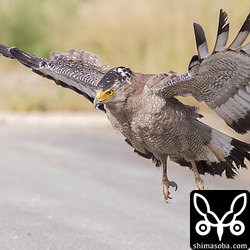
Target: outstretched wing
222,79
77,70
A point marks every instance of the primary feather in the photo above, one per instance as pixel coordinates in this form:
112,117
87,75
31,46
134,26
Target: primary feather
221,80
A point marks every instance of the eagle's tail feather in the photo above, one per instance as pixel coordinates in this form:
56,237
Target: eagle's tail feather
224,153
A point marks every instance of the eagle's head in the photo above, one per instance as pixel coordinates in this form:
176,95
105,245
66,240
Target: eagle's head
112,87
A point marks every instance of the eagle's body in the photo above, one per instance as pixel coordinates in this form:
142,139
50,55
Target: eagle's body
143,107
140,119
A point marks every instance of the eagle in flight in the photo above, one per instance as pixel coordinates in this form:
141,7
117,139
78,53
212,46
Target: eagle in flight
143,107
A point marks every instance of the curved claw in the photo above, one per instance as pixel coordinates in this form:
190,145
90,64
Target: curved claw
165,189
166,200
173,184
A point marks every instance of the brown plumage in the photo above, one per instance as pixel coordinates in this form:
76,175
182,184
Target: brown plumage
143,107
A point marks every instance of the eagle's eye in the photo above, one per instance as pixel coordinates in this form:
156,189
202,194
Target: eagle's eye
110,92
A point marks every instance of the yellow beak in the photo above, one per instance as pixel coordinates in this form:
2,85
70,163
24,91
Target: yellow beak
100,99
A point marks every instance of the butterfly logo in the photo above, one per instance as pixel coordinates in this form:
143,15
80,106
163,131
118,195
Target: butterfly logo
203,227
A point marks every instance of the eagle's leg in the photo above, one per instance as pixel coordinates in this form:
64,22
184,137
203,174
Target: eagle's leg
166,183
200,184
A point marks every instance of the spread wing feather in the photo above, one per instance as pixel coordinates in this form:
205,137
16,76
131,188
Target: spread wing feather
222,34
77,70
222,79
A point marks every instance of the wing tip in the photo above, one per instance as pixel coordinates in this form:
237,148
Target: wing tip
5,51
222,33
246,24
201,41
222,37
26,59
241,36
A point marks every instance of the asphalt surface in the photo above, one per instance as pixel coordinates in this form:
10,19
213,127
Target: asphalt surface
70,182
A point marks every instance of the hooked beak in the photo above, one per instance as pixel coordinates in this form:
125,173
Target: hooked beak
97,102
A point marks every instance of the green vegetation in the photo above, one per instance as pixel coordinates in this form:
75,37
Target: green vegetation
148,36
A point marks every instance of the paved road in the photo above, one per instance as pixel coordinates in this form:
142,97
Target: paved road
70,182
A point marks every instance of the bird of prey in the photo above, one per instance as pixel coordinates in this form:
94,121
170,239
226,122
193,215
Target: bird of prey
145,110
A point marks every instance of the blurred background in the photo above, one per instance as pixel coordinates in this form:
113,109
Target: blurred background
147,36
64,183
